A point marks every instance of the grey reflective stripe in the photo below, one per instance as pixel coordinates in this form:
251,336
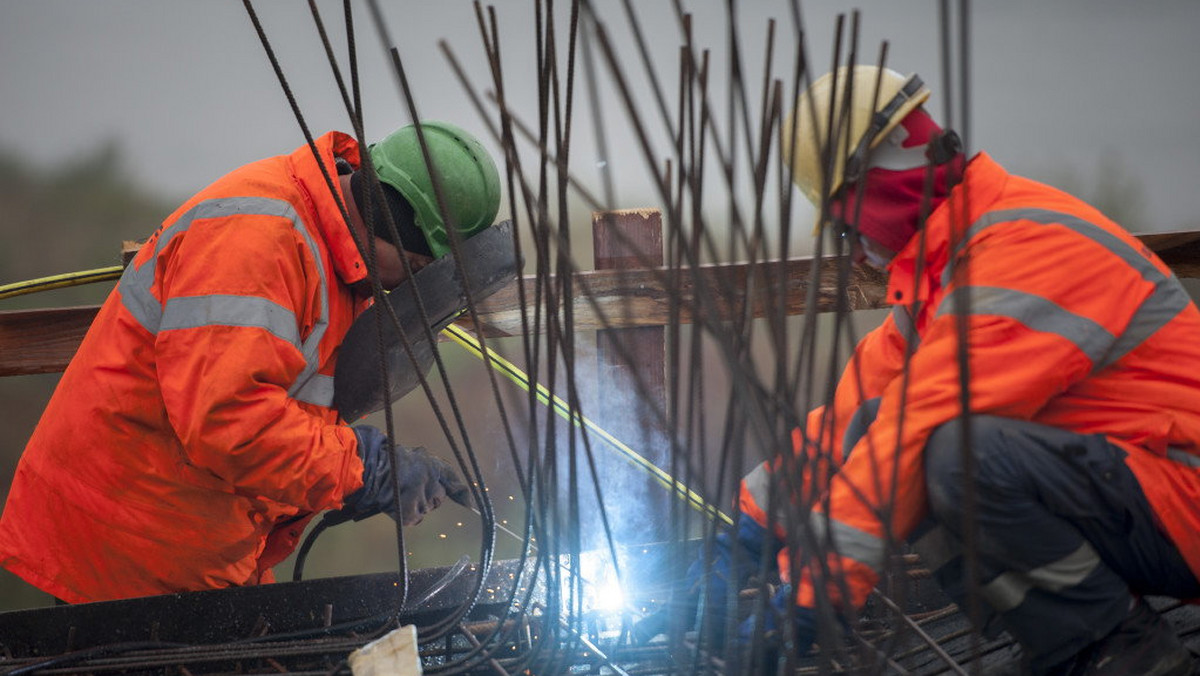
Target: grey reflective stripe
758,483
1158,309
902,317
1035,312
134,288
189,312
310,386
136,283
848,541
1009,590
1183,457
937,547
317,389
1167,301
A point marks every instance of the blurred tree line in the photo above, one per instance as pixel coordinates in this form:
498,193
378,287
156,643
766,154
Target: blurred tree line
71,217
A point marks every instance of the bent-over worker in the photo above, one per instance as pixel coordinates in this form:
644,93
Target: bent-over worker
193,435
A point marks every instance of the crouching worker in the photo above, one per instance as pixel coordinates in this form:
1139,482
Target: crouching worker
1078,469
194,434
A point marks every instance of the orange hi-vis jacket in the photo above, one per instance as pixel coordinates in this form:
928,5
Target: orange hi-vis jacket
193,432
1071,322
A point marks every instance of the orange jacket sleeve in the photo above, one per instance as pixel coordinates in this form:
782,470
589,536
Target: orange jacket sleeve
818,452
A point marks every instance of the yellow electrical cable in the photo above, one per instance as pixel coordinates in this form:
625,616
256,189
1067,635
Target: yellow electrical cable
60,281
510,370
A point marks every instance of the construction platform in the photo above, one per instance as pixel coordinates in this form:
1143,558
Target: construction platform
311,627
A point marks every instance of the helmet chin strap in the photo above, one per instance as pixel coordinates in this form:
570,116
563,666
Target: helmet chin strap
857,163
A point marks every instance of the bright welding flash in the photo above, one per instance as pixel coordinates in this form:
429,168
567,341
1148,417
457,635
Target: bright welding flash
610,597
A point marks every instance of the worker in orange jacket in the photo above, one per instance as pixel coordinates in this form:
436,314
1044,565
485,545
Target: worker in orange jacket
1077,472
194,434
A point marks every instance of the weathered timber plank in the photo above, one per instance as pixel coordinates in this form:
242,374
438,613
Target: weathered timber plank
1180,250
1172,243
607,299
41,341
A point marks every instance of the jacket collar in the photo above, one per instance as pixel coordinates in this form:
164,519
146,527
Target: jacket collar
982,183
348,263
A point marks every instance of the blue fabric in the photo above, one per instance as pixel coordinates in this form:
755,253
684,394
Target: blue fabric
728,566
708,580
704,591
755,537
805,630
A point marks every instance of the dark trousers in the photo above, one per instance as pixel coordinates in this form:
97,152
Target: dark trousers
1061,528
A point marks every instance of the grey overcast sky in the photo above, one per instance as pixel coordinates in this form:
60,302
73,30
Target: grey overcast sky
185,89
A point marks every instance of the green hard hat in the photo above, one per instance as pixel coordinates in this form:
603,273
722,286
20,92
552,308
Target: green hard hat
469,180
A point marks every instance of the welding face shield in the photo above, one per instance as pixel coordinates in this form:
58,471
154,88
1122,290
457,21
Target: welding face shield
402,214
423,305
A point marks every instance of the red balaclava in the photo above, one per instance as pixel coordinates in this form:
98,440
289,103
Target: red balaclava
895,183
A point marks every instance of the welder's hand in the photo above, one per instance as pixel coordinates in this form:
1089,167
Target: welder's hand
702,597
424,481
772,642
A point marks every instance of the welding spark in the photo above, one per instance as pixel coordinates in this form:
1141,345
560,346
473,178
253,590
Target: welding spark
609,597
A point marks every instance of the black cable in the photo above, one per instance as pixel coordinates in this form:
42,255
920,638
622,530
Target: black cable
91,653
309,540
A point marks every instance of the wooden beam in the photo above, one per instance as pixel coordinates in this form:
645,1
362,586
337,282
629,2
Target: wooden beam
43,341
1179,250
614,299
632,361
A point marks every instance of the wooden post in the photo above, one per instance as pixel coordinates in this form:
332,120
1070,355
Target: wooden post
633,239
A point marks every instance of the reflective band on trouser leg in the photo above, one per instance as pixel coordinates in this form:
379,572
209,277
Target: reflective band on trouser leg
1042,504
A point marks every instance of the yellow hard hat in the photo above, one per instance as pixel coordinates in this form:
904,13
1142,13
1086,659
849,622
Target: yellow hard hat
880,99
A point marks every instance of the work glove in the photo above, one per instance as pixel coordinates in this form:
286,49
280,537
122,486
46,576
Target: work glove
774,642
702,597
425,480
